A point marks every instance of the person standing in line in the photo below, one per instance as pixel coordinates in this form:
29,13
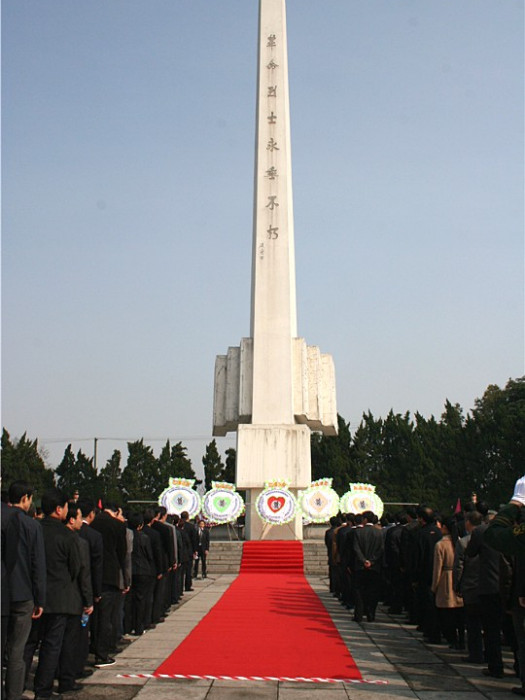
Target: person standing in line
490,597
203,548
448,603
506,534
113,533
188,551
159,558
23,549
178,591
368,559
466,582
96,559
143,577
68,664
62,569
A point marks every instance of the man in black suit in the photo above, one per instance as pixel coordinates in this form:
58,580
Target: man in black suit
113,533
63,567
368,559
168,548
23,549
160,559
69,655
203,548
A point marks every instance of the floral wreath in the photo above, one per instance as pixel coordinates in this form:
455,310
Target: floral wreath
222,504
361,497
276,505
180,496
319,502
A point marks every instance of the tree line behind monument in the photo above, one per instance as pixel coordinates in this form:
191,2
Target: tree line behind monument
410,459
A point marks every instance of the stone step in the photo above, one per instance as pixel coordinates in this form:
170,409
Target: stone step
225,557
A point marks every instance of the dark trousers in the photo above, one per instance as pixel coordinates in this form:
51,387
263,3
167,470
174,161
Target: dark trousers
49,631
518,620
105,623
427,612
179,584
187,574
68,660
367,590
474,632
491,615
138,599
452,625
202,559
159,596
17,628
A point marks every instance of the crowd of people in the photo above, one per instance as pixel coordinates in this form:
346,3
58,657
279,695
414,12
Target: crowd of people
81,580
460,579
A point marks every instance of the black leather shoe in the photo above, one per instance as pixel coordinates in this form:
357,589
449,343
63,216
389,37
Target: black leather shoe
70,688
86,673
492,674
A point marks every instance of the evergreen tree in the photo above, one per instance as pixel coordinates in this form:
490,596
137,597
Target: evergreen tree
88,484
213,466
67,473
331,457
21,459
499,421
140,478
228,474
110,479
174,462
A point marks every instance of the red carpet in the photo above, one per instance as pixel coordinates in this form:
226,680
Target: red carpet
268,624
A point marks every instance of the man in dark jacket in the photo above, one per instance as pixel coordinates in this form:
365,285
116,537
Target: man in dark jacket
71,648
506,534
189,548
96,558
62,567
105,632
168,550
159,557
202,549
138,607
490,598
368,559
26,566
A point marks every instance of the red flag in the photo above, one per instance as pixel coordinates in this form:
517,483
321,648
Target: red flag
458,507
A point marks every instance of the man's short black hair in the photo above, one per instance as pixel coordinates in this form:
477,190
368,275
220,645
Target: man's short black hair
18,490
72,510
52,499
112,506
135,520
149,515
86,506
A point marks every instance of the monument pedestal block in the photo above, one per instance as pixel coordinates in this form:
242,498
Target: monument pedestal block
257,529
267,453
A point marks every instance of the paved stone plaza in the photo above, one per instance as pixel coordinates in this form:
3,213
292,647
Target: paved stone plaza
384,650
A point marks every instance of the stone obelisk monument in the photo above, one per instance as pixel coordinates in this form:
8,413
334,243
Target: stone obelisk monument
273,389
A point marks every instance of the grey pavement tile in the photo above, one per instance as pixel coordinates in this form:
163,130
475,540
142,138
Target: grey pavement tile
445,695
157,691
318,691
105,692
380,692
244,691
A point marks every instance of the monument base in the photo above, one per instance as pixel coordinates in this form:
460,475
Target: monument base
258,529
268,453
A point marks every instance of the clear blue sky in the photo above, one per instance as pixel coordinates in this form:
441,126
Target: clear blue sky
128,152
